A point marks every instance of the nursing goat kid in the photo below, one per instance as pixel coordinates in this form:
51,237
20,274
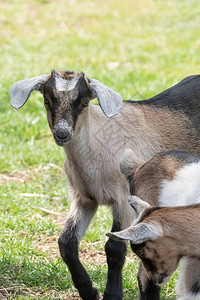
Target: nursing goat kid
94,144
161,236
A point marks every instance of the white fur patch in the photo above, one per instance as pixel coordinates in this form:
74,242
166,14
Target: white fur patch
65,85
190,296
184,189
62,124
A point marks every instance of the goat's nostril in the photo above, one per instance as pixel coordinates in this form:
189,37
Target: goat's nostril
62,130
62,134
159,278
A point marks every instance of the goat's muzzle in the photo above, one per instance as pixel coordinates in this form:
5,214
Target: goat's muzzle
62,132
160,279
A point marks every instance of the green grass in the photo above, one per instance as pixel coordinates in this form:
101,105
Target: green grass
139,48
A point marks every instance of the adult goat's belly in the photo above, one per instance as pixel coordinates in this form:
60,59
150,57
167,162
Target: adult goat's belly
108,190
97,181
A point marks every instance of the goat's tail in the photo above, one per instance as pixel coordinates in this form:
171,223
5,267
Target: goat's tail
128,163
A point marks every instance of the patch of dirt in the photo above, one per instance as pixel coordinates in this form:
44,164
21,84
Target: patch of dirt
24,175
19,177
87,253
92,256
15,291
49,244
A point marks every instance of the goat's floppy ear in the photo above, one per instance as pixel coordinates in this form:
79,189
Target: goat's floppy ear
138,204
21,90
109,100
129,163
138,234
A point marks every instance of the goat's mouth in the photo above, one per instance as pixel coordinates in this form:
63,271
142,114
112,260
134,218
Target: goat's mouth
160,279
62,141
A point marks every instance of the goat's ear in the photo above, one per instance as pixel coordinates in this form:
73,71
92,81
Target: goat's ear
109,100
138,234
138,204
126,234
129,163
21,90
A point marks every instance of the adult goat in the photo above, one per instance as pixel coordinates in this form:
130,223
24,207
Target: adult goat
94,143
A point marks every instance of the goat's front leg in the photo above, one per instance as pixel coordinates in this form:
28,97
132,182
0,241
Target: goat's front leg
78,220
116,252
148,290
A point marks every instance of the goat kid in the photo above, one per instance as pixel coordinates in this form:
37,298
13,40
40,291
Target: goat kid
94,144
161,236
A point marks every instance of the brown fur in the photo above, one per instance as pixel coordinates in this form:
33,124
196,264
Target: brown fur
181,226
162,166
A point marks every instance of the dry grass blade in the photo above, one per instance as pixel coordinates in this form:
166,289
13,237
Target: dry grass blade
19,177
47,211
24,175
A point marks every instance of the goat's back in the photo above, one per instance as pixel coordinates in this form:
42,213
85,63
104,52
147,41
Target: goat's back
178,96
168,179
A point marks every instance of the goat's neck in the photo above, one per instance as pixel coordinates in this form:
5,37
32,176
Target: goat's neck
190,247
185,231
92,165
86,127
110,136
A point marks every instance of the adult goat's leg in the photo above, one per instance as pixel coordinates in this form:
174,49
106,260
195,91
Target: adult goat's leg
188,285
148,290
76,225
116,252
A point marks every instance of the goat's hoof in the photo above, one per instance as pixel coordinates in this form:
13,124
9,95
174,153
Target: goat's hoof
112,297
93,296
97,297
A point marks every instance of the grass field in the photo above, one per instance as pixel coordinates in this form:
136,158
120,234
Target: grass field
138,48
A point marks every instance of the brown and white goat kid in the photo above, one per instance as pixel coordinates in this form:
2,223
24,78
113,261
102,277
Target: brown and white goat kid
161,236
94,144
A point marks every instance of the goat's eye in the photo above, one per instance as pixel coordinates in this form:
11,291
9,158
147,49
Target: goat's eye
141,253
85,103
46,101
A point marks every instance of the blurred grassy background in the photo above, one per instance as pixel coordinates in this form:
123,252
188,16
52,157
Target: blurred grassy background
138,48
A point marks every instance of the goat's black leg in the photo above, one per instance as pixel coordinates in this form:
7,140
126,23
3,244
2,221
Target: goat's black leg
76,225
148,290
116,252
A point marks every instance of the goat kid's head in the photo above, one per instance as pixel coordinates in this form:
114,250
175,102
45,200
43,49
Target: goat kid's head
66,94
157,252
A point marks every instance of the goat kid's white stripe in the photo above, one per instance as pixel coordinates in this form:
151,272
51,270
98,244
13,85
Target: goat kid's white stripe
184,189
65,85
